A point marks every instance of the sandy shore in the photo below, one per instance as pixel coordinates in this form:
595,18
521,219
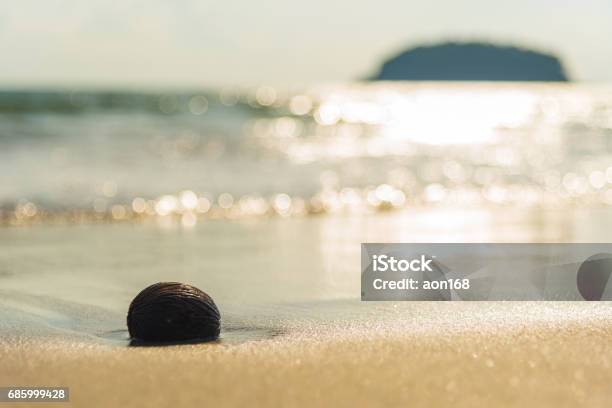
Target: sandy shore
472,354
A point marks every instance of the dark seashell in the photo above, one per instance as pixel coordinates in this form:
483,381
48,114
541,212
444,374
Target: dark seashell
172,311
593,276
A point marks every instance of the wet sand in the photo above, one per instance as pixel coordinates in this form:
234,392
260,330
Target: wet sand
418,354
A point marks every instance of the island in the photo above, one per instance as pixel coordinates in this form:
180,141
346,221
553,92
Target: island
471,61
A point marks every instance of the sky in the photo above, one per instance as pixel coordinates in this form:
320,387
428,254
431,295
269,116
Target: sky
187,43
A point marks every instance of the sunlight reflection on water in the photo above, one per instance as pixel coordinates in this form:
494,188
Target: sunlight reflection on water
328,149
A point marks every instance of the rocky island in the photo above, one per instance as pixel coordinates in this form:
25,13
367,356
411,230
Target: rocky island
471,61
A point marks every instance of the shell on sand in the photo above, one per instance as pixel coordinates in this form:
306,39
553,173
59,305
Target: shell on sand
172,311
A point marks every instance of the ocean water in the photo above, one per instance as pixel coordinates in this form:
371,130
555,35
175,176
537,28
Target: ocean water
262,196
270,150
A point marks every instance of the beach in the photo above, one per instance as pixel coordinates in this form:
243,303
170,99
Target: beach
423,354
313,204
294,332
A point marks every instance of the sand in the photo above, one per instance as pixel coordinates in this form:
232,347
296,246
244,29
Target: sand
294,332
419,355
